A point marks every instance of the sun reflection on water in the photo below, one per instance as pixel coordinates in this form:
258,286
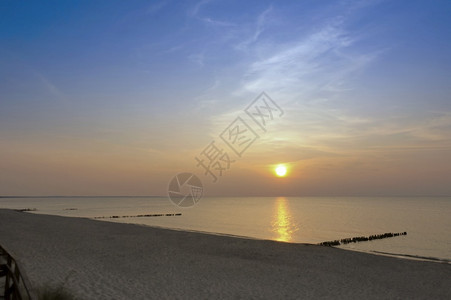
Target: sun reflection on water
283,224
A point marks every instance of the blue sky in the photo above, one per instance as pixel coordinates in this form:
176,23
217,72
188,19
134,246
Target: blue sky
130,92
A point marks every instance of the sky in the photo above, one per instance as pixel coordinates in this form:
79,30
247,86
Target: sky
118,97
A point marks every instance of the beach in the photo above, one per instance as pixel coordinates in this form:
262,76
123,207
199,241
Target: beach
105,260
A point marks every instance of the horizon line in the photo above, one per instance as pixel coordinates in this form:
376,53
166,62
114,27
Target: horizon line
160,196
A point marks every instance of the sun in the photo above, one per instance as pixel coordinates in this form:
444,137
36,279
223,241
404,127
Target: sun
281,170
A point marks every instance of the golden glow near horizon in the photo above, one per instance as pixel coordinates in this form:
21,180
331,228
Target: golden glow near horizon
95,132
281,171
282,224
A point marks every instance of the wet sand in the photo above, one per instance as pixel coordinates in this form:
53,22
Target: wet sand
105,260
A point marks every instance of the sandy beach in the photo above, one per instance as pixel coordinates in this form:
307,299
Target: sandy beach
105,260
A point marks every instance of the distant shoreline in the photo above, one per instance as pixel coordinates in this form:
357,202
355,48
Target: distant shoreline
164,196
81,196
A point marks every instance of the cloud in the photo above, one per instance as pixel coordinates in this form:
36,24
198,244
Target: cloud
155,7
316,59
259,28
197,58
304,75
51,88
342,132
194,13
320,61
195,10
210,21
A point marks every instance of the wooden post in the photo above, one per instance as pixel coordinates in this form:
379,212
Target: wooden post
17,286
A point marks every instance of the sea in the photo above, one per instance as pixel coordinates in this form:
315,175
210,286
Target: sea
427,220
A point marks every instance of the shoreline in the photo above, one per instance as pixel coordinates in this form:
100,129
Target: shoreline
402,256
371,252
109,260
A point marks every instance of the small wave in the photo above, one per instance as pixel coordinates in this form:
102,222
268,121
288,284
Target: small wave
416,257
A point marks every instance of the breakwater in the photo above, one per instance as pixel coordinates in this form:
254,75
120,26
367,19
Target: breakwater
361,239
139,216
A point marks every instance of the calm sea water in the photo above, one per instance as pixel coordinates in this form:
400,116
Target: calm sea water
288,219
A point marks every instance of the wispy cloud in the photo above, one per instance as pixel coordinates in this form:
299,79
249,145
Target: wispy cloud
51,88
197,58
343,132
315,60
305,75
210,21
259,28
196,8
194,12
155,7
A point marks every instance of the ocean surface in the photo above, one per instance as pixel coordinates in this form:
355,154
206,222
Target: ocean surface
426,220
